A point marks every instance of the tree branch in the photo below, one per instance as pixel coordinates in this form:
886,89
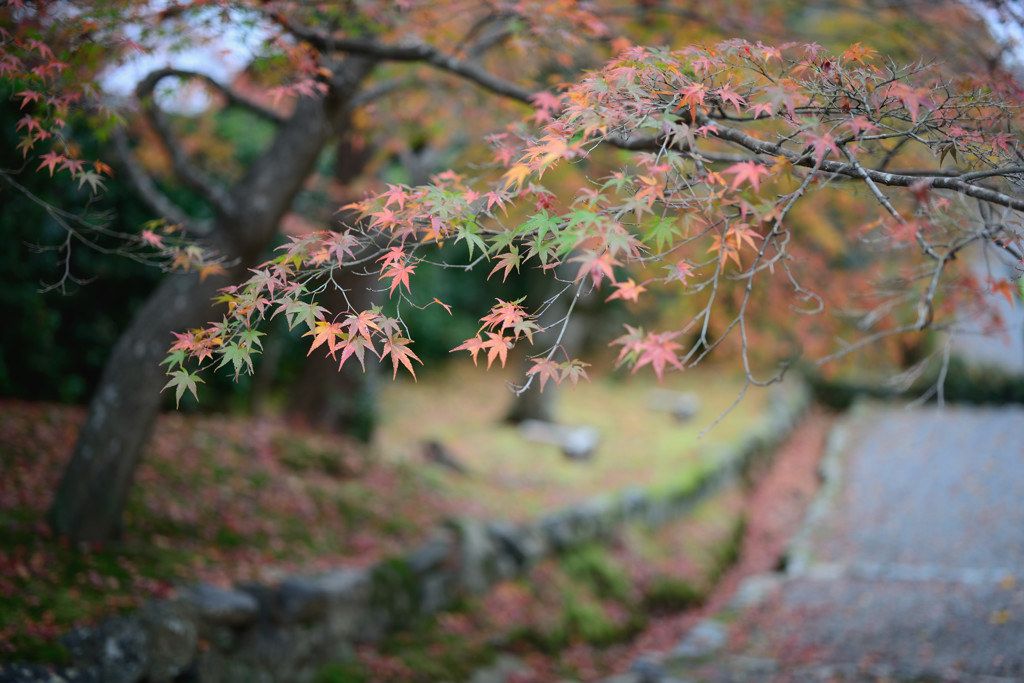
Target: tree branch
956,184
189,174
413,52
232,96
143,184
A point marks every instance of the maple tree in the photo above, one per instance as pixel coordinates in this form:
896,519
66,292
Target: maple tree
726,140
690,168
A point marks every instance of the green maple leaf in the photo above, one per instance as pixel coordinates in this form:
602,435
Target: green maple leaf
180,380
238,355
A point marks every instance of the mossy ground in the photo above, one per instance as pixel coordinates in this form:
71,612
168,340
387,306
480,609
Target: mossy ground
572,615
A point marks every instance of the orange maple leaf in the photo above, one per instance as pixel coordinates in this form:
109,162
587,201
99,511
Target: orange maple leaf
515,176
400,354
473,345
627,291
497,347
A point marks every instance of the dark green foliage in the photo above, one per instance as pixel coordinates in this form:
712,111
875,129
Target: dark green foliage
396,590
669,594
336,672
962,384
592,567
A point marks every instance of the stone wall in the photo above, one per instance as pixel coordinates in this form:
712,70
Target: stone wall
256,633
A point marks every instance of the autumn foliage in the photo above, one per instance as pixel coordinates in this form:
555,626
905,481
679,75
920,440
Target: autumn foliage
690,167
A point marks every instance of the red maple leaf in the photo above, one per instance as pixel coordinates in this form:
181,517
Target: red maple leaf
399,274
747,171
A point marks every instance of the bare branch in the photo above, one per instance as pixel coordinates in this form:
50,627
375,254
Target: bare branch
233,97
183,167
413,52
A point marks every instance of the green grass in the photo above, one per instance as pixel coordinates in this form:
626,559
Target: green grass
511,478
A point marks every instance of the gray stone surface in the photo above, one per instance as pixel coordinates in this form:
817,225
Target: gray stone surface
221,606
705,639
173,634
116,649
301,599
912,565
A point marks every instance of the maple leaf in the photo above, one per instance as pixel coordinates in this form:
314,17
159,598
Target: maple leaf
515,176
741,233
497,347
181,380
821,144
597,265
747,171
546,369
399,274
325,332
152,239
397,347
659,350
906,231
546,101
393,255
94,179
763,109
473,345
627,291
509,260
441,304
630,343
504,314
355,346
238,355
727,94
27,97
857,53
541,156
680,271
574,371
50,161
510,315
297,310
496,197
397,194
693,96
208,269
729,251
340,245
1004,287
361,323
911,98
860,124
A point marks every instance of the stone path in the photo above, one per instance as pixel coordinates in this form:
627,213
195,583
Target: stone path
911,565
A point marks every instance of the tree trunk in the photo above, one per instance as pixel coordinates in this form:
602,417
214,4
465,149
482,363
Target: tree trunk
93,492
89,504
